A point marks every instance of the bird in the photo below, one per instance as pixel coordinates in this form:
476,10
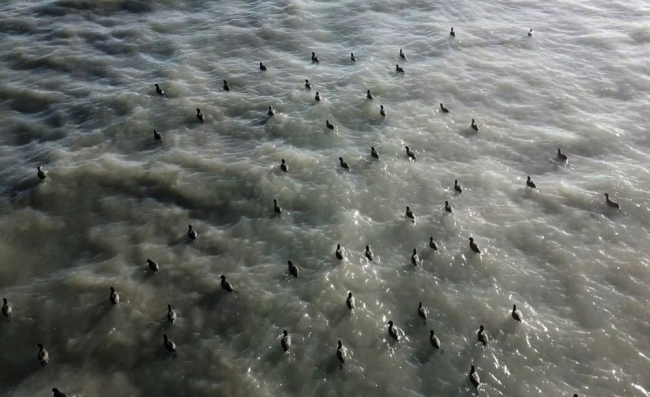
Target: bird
350,301
153,265
409,153
482,336
114,296
199,115
393,330
452,33
611,203
271,112
474,379
422,312
341,353
448,207
171,314
329,125
286,341
338,253
433,339
6,308
40,173
474,246
58,393
516,314
226,286
443,108
530,183
409,214
369,255
399,69
307,84
352,57
262,67
373,152
169,344
156,135
561,156
293,269
401,54
432,244
276,207
343,164
530,33
314,58
457,187
159,90
226,87
284,166
474,126
191,233
382,111
369,95
43,356
317,97
415,258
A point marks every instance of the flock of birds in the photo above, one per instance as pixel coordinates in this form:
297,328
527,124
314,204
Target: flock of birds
394,331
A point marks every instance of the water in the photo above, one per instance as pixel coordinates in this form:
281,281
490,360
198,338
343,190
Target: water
77,97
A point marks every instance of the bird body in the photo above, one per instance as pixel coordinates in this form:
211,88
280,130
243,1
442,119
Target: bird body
153,265
6,308
285,342
343,164
314,58
448,207
530,183
457,187
530,33
226,286
415,258
338,253
409,214
40,173
156,135
284,166
399,69
374,153
423,312
473,246
171,314
474,379
611,203
369,95
350,301
561,156
199,116
317,97
341,353
401,54
409,153
452,33
58,393
226,87
432,244
307,84
159,90
43,356
393,331
516,314
169,344
114,296
433,339
443,108
329,125
276,207
293,269
369,255
352,57
262,67
191,233
270,112
482,336
474,125
382,111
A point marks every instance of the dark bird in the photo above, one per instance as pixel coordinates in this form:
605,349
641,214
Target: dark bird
43,356
276,207
516,314
191,233
352,57
474,246
6,308
284,166
415,258
159,90
293,269
369,255
474,125
341,353
317,97
448,207
169,344
314,58
393,331
409,153
226,87
350,301
226,286
530,183
156,135
373,152
452,33
422,312
58,393
343,164
114,296
307,84
399,69
474,379
271,112
199,115
40,173
153,265
286,341
338,253
329,125
433,339
443,109
262,67
482,336
561,156
611,203
171,314
457,187
409,214
432,244
382,111
369,95
530,33
401,54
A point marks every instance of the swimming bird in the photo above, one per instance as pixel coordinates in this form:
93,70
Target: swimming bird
159,90
262,67
423,312
293,269
457,187
369,95
171,314
443,108
369,254
343,164
199,115
191,233
516,314
271,112
43,356
452,33
350,301
156,135
6,309
58,393
433,339
352,57
482,335
432,244
409,214
341,353
474,379
530,183
382,111
338,253
286,341
307,84
530,33
474,246
415,258
114,296
401,54
153,265
561,156
314,58
169,344
40,173
284,166
329,125
409,153
448,207
276,207
317,97
226,286
474,125
226,87
373,152
399,69
611,203
393,330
